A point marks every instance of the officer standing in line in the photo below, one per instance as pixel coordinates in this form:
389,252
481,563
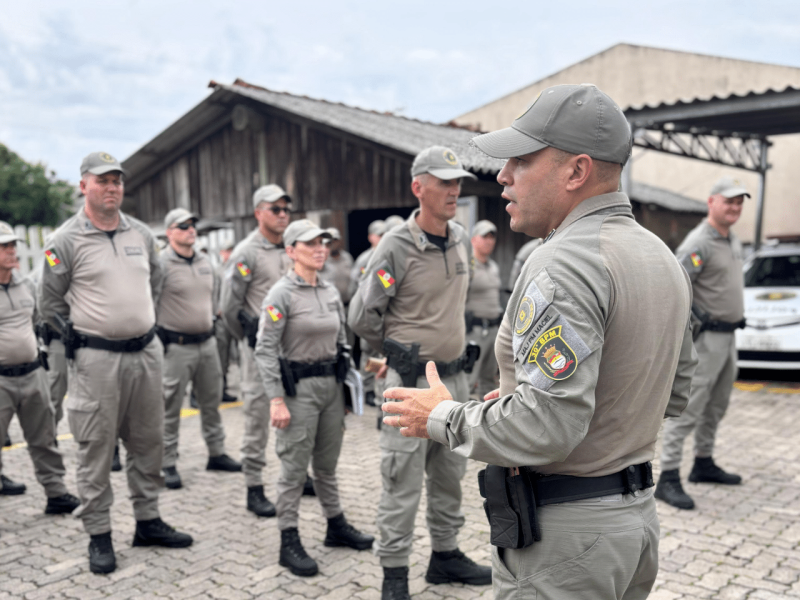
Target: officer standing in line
102,272
575,419
393,221
410,305
519,260
256,264
184,319
712,255
484,312
338,265
302,322
221,331
23,385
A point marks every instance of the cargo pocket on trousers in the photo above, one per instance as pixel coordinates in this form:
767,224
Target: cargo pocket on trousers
83,409
293,447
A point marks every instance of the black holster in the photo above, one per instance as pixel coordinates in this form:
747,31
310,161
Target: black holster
287,378
72,339
249,326
510,507
471,356
342,362
403,360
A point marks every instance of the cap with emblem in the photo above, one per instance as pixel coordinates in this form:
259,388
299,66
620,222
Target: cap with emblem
98,163
440,162
377,227
483,227
335,235
729,188
269,193
7,234
579,119
393,221
177,216
303,231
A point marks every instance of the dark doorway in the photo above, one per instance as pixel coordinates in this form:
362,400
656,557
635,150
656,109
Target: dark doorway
358,221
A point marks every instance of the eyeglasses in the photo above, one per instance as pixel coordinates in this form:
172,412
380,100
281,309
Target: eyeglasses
185,225
277,210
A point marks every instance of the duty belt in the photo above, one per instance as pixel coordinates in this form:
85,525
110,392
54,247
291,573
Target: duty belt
20,370
132,345
444,369
723,326
323,368
485,323
183,339
555,489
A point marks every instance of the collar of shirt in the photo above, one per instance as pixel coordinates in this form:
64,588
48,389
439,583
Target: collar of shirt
267,244
712,231
87,227
170,253
421,240
297,280
596,204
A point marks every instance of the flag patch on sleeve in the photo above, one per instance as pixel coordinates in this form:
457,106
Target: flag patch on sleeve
386,278
52,258
244,270
697,260
274,313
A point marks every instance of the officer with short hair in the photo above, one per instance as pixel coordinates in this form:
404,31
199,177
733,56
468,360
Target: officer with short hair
256,264
184,319
23,385
410,305
594,350
712,256
102,273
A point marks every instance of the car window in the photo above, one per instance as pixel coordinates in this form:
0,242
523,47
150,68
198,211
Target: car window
774,271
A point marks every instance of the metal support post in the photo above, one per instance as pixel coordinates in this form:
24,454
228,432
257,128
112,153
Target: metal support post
762,183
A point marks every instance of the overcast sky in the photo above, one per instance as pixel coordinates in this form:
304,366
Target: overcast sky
83,76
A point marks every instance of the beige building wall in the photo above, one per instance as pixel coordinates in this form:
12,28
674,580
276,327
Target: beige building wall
637,75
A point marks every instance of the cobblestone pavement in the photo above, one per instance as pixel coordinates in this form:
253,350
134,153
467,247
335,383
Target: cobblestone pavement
741,542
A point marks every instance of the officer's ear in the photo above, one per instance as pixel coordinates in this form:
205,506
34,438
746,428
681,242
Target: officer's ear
579,170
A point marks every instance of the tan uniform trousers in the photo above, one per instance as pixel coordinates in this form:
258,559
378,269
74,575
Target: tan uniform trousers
256,417
57,377
405,463
198,363
711,392
117,395
224,337
314,434
601,548
484,373
29,397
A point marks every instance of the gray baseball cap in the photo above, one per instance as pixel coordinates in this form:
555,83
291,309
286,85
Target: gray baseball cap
393,221
269,193
377,227
98,163
729,188
335,235
483,227
303,231
177,216
7,233
579,119
440,162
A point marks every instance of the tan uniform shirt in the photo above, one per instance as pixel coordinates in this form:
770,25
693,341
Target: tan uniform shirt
714,264
17,316
105,285
413,292
483,298
337,271
254,267
300,322
594,350
358,270
186,301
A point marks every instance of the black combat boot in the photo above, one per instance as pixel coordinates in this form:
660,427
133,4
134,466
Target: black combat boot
226,396
369,398
172,479
154,532
395,584
8,442
294,556
706,471
308,486
670,490
11,488
454,566
61,505
257,502
223,462
341,533
101,554
116,463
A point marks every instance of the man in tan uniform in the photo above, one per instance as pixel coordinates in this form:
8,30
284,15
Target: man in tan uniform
338,265
484,312
410,304
102,272
257,262
184,319
221,331
23,385
600,303
712,256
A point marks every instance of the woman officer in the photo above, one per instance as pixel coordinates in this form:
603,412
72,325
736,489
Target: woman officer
302,321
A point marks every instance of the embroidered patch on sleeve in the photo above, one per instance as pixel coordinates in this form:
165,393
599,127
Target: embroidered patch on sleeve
274,313
52,258
697,260
555,353
243,269
385,278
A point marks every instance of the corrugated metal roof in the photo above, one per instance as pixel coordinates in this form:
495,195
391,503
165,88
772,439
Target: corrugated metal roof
714,97
649,194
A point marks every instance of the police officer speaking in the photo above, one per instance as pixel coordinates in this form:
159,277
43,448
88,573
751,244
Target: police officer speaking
594,350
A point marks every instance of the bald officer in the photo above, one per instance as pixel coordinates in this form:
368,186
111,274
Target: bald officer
23,384
102,272
184,318
712,255
411,303
256,264
571,431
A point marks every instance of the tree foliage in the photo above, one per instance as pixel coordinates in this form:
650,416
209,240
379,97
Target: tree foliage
29,195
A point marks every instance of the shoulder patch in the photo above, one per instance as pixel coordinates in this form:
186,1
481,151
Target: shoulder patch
52,258
525,313
385,278
243,268
274,312
697,260
553,355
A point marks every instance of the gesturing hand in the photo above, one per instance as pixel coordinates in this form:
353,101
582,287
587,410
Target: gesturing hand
413,406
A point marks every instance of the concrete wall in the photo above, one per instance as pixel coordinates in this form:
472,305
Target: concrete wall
636,75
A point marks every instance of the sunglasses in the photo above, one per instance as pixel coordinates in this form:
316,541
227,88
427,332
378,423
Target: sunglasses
277,210
184,226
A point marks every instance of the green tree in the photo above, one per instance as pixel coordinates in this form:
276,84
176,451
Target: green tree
29,195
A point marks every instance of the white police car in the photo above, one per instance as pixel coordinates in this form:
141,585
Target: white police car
771,339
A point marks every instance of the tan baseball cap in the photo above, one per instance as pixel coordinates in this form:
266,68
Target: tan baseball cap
303,231
393,221
440,162
98,163
579,119
269,193
377,227
177,216
335,235
729,188
483,228
7,234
